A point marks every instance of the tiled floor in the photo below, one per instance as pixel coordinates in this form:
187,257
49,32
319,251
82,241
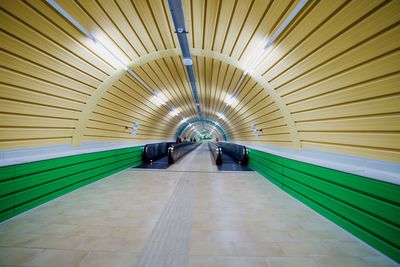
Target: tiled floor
235,219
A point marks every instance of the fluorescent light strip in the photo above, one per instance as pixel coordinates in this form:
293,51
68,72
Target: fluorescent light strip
88,34
280,30
287,21
268,43
240,82
66,15
143,83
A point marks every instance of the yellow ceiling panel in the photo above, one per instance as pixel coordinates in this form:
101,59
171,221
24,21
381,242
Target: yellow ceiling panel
387,85
20,80
371,123
330,75
26,108
29,121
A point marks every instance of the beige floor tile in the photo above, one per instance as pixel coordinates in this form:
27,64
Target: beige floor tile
326,235
111,244
35,216
220,236
59,258
87,220
303,249
17,256
260,249
56,242
212,248
108,259
201,261
232,236
94,230
239,219
131,233
350,248
240,262
280,226
16,239
271,236
19,226
58,229
379,261
340,261
134,246
291,262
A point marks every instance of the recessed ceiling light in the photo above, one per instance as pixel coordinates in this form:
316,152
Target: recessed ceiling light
187,61
230,100
159,99
174,112
221,116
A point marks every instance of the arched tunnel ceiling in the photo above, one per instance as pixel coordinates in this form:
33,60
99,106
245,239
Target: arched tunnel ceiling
208,132
205,125
330,82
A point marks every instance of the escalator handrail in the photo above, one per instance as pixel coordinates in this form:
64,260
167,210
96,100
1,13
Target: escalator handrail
216,151
237,152
176,151
155,151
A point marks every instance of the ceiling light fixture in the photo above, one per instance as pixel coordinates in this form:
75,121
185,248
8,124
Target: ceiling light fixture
158,101
270,40
256,59
163,100
157,97
221,116
230,100
174,112
187,61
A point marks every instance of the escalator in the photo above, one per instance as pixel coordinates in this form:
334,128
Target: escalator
229,156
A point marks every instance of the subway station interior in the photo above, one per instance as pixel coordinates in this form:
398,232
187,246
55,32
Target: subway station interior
200,133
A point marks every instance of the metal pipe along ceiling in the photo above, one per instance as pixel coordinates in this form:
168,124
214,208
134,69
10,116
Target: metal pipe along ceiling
176,9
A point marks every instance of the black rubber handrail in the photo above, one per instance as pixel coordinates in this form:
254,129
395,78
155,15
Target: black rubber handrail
237,152
216,151
176,151
153,152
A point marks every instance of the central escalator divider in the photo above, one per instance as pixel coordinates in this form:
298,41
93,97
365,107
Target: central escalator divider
237,152
153,152
176,151
154,156
162,155
229,156
216,151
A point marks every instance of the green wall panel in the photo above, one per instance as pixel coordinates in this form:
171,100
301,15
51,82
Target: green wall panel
368,208
25,186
